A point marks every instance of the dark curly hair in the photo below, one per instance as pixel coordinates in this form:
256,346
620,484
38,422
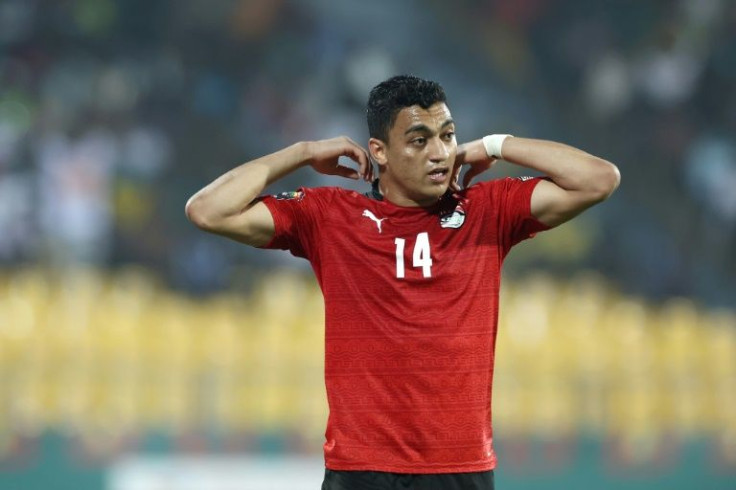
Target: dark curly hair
388,98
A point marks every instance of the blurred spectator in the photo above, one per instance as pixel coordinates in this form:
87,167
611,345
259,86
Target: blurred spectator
110,118
710,170
74,195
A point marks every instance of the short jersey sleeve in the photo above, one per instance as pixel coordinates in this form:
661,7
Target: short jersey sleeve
511,200
294,214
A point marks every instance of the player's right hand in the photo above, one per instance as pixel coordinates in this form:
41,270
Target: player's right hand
324,156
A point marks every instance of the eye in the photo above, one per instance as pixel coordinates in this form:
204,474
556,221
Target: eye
449,135
419,141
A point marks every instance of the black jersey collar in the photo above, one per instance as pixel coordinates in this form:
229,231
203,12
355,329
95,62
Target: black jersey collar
375,192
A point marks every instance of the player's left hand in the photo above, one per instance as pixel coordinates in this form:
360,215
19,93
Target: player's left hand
474,155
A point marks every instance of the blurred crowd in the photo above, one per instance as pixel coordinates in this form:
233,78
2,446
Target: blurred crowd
113,112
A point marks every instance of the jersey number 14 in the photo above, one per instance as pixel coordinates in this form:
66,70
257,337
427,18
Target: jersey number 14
421,257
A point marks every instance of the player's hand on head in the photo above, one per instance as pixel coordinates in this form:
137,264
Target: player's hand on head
324,157
472,154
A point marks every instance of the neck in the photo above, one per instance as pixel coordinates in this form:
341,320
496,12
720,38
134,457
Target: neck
385,192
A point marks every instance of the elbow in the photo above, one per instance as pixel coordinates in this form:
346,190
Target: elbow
195,213
605,181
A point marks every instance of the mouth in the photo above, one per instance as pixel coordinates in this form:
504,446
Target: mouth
439,175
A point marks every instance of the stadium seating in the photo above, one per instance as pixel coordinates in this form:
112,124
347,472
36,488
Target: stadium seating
115,353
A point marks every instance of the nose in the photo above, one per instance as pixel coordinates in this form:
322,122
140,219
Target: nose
438,151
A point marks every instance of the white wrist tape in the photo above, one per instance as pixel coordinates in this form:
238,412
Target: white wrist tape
493,144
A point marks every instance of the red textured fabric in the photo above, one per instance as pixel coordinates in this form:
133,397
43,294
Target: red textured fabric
408,360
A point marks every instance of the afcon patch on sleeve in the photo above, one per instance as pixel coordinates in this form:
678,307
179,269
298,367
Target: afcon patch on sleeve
289,195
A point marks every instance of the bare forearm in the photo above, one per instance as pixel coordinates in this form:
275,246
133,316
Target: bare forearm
228,206
232,192
568,167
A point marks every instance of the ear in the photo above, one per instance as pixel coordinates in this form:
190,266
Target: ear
378,151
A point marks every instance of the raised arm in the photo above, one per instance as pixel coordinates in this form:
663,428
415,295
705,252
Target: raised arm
578,179
226,206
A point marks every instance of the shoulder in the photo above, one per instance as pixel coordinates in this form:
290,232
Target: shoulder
334,195
316,199
482,190
313,193
503,195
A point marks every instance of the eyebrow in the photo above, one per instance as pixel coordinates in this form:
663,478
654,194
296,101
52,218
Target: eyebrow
425,129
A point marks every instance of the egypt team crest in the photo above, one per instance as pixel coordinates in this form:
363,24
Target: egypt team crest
455,219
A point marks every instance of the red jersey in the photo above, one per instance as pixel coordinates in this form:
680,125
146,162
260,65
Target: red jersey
411,310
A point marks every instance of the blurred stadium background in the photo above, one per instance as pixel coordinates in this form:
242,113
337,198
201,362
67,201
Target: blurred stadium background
137,353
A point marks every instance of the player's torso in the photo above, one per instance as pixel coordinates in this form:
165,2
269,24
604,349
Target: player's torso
411,299
419,267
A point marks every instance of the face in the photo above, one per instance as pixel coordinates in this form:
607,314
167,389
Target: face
416,162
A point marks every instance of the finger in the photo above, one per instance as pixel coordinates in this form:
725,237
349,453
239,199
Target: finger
355,151
454,186
368,173
347,172
360,156
369,176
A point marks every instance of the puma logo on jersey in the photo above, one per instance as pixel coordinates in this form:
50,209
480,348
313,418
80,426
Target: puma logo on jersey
372,217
